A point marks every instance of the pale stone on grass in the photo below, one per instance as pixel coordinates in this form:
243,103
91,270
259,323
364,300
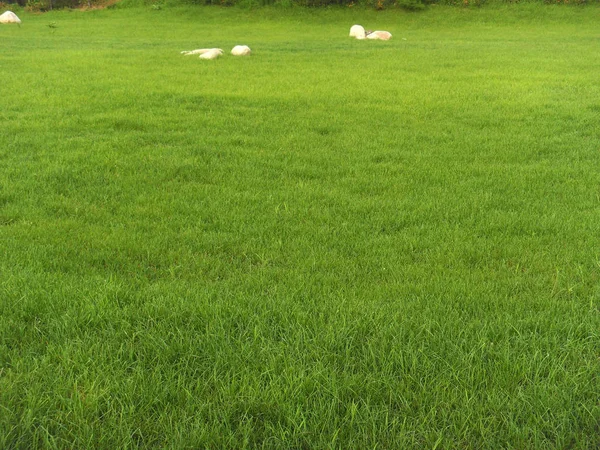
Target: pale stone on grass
9,17
240,50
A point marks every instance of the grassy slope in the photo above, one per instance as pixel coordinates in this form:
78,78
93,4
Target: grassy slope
331,243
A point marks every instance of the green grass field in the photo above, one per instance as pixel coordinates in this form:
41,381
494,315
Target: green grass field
329,244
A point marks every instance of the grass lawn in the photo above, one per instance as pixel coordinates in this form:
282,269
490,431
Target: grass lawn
331,243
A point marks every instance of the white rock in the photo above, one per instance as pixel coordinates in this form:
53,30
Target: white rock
382,35
213,53
357,31
9,17
241,50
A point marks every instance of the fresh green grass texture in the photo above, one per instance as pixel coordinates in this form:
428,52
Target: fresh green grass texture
329,244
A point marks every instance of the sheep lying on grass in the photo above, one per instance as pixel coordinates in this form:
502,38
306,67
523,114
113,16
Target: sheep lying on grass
213,53
9,17
240,50
382,35
358,32
198,51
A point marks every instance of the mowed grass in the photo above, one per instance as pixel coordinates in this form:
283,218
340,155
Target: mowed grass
329,244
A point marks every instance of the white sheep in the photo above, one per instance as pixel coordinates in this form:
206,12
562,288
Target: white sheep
9,17
213,53
357,31
198,51
240,50
382,35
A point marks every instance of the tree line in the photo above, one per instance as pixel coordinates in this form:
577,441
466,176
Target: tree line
46,5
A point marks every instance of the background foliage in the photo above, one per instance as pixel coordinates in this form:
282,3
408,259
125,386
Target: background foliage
45,5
